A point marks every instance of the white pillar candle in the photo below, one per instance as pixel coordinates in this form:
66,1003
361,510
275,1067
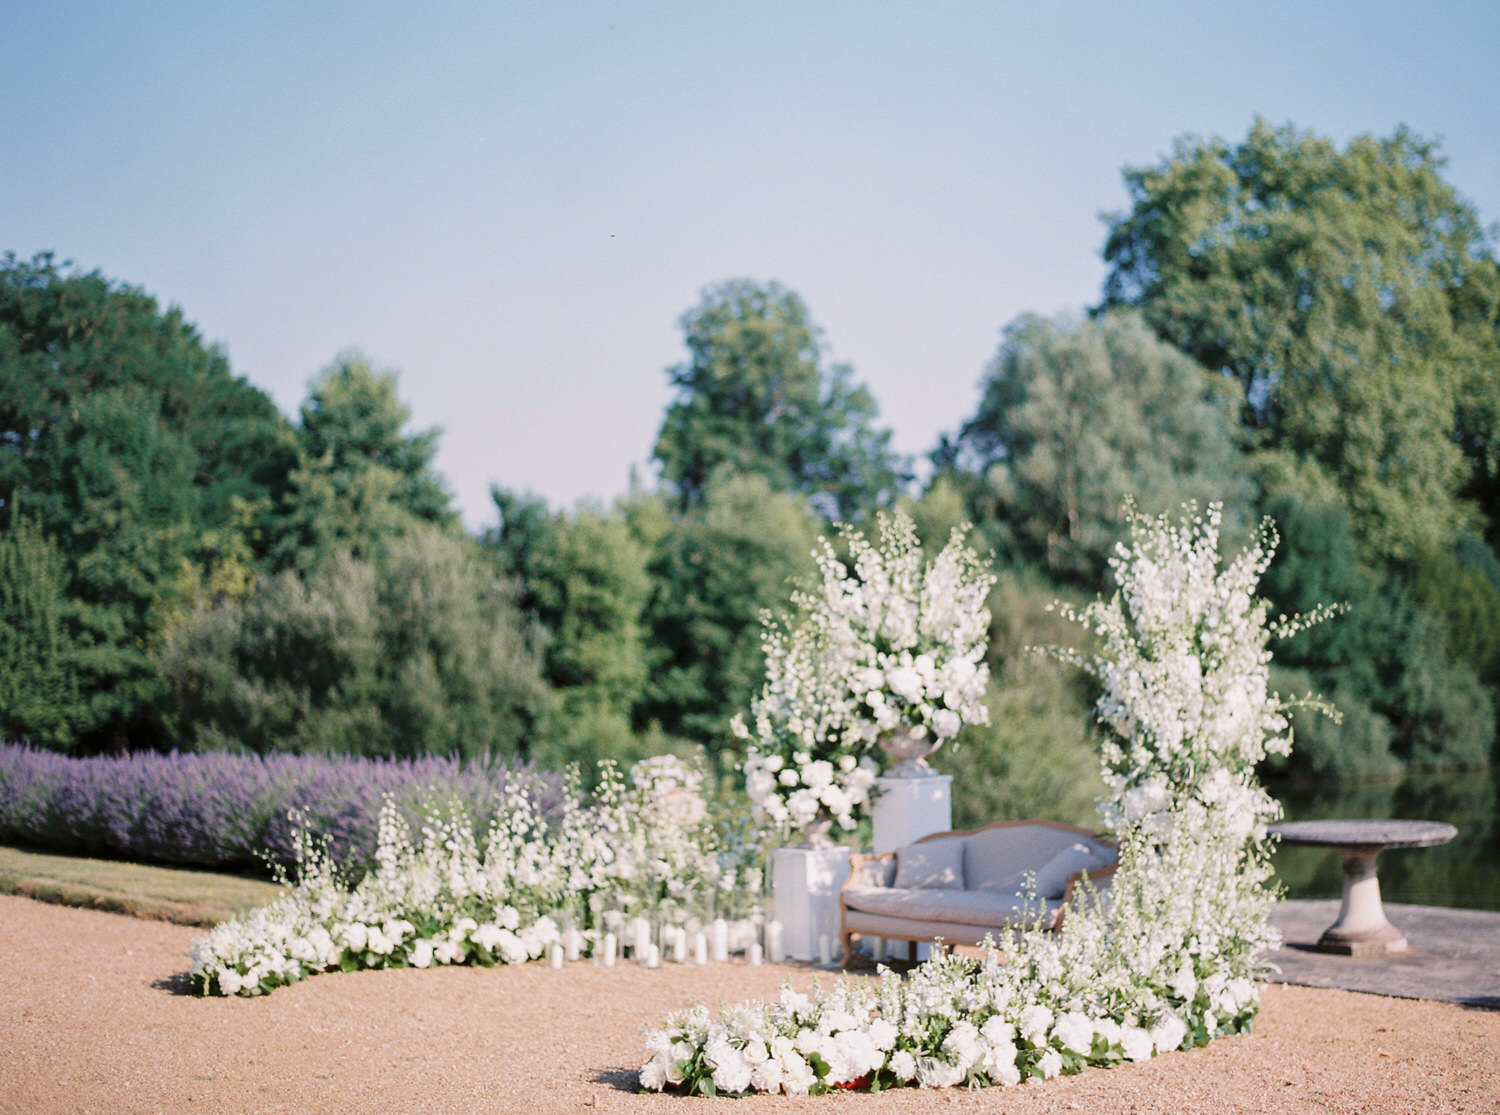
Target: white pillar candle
700,948
572,944
721,941
755,954
653,956
609,950
825,950
680,946
773,942
555,956
877,948
642,938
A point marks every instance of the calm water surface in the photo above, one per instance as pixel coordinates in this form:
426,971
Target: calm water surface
1465,873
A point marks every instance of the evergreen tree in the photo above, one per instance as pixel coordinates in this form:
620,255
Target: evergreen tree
131,443
39,691
360,481
714,570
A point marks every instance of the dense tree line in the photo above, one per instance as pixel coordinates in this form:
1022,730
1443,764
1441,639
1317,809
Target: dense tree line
1298,331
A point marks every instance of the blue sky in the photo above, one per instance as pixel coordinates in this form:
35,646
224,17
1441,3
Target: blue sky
512,204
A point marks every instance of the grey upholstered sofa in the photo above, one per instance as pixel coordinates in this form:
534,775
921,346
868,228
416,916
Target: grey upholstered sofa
962,886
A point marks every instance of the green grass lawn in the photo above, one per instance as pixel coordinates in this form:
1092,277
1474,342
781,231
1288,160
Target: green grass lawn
165,893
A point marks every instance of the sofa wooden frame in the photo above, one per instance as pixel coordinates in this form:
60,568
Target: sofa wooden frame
862,863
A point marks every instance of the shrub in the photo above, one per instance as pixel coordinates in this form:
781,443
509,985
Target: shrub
221,810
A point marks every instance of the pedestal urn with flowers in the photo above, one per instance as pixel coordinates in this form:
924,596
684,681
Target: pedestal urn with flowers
883,655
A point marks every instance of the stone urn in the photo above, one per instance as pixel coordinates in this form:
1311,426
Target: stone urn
815,833
907,753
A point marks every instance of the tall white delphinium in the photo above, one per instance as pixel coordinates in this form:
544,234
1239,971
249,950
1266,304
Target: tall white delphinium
1184,663
883,641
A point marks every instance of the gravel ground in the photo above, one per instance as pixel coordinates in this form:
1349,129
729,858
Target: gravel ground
94,1018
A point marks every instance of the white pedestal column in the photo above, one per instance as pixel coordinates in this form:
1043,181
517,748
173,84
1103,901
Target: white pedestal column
805,884
908,809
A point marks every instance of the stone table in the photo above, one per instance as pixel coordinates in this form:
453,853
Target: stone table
1362,928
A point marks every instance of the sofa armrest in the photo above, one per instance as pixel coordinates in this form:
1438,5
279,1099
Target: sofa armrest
871,871
1100,879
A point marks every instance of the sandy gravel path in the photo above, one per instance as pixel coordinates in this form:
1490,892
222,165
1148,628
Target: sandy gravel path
93,1019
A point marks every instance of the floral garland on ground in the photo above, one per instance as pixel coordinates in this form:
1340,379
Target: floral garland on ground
885,641
1168,961
649,848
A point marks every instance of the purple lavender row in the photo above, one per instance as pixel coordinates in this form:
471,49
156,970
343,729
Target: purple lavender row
220,810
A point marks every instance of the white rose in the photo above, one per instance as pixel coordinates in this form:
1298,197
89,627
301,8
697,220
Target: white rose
817,775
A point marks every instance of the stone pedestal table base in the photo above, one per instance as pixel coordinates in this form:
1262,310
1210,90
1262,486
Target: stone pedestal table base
1362,928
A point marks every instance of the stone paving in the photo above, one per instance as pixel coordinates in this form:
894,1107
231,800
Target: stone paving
1452,955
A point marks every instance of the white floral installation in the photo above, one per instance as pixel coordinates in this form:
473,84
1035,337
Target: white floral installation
885,641
1168,961
647,849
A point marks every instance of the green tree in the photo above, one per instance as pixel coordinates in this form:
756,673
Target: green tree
129,441
734,554
583,579
360,481
1073,417
421,651
1039,754
1385,663
1353,295
755,396
39,690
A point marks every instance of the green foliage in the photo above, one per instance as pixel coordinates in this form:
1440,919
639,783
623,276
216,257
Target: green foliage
1037,757
1039,754
1386,659
359,481
1354,746
583,581
1354,297
733,554
1460,589
756,397
39,691
419,652
127,438
1072,419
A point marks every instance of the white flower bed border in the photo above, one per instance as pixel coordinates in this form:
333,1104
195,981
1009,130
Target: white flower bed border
647,850
1170,963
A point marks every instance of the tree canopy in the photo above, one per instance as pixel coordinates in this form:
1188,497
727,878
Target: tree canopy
756,396
128,443
1075,416
360,480
1352,294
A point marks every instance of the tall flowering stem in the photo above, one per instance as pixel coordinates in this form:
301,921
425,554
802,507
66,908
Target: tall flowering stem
1184,663
883,640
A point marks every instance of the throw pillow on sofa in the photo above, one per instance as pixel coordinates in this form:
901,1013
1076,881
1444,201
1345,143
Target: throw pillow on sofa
1052,876
934,864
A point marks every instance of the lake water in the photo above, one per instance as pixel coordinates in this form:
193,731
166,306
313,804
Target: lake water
1464,873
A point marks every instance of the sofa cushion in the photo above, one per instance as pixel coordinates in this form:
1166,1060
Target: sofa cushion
998,859
964,907
879,925
1052,876
932,863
